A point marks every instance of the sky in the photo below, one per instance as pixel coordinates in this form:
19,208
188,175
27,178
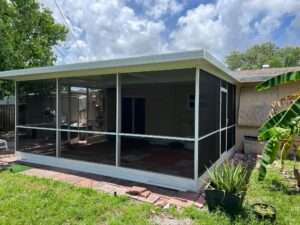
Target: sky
107,29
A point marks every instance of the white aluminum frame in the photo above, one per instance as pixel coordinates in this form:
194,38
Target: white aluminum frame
196,126
153,178
222,91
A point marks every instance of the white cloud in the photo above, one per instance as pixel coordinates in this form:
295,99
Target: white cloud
159,8
231,24
105,29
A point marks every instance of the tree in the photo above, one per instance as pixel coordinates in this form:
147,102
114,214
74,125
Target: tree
28,34
266,53
282,130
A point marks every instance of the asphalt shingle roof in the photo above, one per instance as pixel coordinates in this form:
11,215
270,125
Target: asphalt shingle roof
249,76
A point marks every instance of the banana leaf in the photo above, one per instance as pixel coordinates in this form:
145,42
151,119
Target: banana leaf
272,122
269,155
279,132
279,80
282,119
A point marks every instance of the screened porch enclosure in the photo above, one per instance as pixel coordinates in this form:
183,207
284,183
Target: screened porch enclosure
172,122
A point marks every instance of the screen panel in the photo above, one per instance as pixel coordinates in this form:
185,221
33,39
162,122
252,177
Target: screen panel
231,104
98,148
41,142
209,152
223,141
157,103
231,138
37,103
88,103
172,157
209,103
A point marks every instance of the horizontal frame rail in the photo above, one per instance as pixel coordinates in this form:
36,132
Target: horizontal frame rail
216,131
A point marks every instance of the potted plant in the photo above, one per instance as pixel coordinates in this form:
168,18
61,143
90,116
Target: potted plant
227,188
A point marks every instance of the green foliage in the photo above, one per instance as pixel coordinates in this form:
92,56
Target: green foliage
266,53
28,34
279,80
229,177
278,191
281,130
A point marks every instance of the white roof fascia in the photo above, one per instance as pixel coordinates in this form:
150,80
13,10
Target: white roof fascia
133,64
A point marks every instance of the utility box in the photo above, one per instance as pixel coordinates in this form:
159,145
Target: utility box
252,145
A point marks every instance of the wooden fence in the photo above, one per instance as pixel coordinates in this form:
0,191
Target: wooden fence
7,117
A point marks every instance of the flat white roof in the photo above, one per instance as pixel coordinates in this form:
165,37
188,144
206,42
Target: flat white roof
176,60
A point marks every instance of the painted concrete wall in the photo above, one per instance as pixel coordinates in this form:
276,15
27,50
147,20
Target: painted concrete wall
254,107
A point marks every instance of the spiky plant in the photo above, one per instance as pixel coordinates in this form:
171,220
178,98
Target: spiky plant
229,177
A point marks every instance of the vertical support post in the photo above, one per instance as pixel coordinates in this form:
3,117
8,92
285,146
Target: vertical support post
196,132
16,116
226,118
220,120
69,112
118,119
87,110
58,120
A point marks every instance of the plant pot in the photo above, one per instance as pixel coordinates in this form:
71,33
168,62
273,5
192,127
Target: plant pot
229,203
264,211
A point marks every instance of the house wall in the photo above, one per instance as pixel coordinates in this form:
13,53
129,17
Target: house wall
254,107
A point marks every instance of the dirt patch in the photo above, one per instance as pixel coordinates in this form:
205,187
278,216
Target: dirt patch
165,220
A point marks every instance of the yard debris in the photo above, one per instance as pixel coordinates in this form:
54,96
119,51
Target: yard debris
248,160
145,194
200,202
163,201
153,197
135,190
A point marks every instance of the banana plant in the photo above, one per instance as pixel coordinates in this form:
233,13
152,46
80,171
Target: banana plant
283,128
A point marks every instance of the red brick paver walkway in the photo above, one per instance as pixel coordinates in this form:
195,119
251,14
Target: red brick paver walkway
146,193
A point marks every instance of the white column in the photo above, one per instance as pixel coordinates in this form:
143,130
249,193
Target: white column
196,137
118,119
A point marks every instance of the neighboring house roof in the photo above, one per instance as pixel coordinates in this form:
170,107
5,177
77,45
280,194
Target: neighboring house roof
253,76
187,59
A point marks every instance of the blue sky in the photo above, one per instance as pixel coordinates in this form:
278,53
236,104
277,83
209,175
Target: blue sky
102,29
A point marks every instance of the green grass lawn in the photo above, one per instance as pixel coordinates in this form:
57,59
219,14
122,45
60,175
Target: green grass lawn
28,200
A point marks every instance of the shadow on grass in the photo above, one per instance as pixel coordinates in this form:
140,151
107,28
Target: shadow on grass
15,168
